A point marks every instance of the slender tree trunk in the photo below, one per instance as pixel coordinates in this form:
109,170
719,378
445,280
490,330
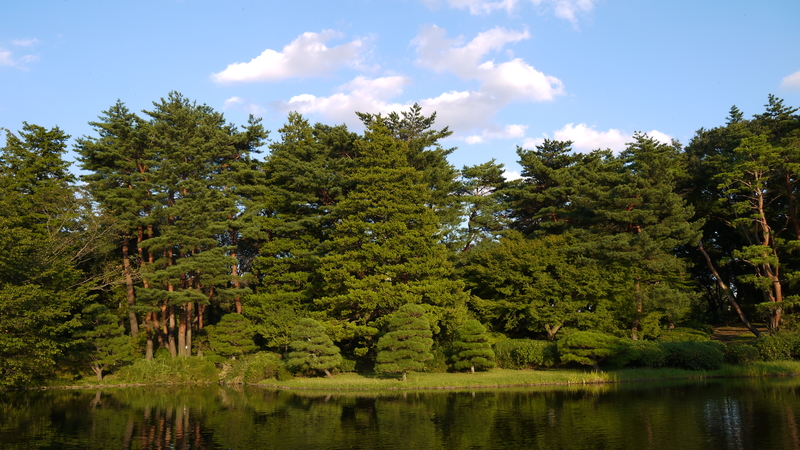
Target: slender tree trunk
126,267
728,294
638,317
171,334
404,375
235,272
148,324
189,324
182,328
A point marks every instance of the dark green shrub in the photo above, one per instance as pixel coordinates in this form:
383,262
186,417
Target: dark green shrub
741,354
650,354
437,364
262,366
590,348
694,355
681,334
347,365
780,346
525,354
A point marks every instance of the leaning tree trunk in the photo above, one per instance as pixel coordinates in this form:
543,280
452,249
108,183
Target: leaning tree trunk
727,291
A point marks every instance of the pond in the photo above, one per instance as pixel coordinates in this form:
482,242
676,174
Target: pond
715,414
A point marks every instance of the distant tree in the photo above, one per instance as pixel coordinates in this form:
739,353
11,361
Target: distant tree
408,344
312,348
472,347
105,342
232,336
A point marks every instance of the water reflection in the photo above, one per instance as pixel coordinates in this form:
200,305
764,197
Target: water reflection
725,414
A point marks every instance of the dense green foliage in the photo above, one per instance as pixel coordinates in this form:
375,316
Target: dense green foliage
312,348
179,240
472,349
408,343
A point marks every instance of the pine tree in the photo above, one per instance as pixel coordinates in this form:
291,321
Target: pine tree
44,240
312,348
384,252
472,348
408,343
232,336
105,343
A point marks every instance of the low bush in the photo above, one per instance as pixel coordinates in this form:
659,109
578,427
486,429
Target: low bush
741,354
168,371
650,354
695,355
592,348
682,334
525,354
347,365
779,346
253,368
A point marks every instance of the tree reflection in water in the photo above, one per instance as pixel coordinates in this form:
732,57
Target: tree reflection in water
717,415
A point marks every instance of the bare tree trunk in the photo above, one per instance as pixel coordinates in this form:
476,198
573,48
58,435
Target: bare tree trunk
727,291
182,331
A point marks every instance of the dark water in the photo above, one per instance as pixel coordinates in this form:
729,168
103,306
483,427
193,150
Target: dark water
724,414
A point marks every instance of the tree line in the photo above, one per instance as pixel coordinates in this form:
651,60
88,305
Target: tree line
177,222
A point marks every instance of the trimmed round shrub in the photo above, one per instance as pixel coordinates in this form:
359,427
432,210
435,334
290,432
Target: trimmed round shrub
741,354
472,348
313,349
695,355
525,354
589,348
408,345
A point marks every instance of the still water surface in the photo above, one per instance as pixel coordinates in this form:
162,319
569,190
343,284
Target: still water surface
718,414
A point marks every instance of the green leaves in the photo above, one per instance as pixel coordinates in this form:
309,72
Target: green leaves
408,343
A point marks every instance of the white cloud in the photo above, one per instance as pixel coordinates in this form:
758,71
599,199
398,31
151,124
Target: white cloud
306,56
8,59
361,94
511,175
470,113
567,9
791,82
242,104
585,138
563,9
508,132
25,42
507,81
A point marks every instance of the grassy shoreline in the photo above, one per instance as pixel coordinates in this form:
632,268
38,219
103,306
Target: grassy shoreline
492,379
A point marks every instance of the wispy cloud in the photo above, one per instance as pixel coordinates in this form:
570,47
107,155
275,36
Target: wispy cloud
8,59
792,82
564,9
244,105
25,42
585,138
306,56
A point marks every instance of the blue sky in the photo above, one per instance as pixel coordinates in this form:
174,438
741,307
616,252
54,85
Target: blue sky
500,73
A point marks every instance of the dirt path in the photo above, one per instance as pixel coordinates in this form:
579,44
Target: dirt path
729,334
